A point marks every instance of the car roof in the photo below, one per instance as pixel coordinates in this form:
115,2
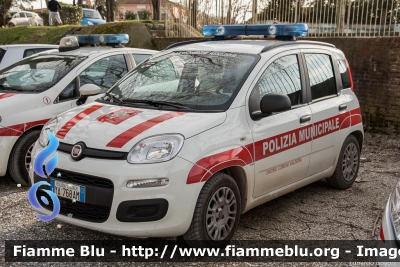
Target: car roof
28,46
248,46
88,51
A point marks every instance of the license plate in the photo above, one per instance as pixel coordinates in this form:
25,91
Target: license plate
67,190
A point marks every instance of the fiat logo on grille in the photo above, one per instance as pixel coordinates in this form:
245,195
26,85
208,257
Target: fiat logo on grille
76,151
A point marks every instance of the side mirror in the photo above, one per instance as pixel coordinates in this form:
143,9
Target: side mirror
86,91
275,102
89,90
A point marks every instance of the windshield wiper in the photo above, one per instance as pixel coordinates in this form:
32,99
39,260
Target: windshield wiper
155,103
10,88
114,98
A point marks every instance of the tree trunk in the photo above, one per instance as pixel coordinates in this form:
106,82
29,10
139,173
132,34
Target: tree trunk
254,12
156,9
229,17
110,10
193,13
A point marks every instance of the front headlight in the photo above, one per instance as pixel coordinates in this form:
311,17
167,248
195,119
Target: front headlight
395,210
49,126
90,23
156,149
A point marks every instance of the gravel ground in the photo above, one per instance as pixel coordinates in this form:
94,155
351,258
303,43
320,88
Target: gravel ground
314,212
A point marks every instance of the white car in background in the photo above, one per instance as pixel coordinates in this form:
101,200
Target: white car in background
24,18
10,54
37,88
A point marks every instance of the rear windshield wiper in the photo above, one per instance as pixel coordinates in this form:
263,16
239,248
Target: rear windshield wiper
155,103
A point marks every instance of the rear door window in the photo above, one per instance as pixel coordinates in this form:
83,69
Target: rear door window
29,52
321,75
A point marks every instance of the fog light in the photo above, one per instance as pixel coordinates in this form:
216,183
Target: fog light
147,183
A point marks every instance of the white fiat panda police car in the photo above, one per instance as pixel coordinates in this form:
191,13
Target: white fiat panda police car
37,88
205,131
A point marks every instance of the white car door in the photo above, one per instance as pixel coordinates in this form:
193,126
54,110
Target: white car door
329,109
281,158
24,20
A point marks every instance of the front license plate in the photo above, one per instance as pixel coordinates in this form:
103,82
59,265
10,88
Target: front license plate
67,190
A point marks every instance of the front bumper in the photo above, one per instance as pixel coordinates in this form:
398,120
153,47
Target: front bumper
177,199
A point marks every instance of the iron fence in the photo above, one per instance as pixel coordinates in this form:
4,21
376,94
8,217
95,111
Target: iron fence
186,18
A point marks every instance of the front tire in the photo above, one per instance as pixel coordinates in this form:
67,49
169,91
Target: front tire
217,213
347,165
21,157
11,24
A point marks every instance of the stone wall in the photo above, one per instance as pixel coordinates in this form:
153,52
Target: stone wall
375,65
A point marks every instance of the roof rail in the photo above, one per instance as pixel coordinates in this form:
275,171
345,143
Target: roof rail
270,47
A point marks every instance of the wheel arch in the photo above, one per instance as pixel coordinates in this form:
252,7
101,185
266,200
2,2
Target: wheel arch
359,136
36,127
239,175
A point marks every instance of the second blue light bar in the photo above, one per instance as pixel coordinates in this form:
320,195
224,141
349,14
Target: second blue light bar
297,30
115,39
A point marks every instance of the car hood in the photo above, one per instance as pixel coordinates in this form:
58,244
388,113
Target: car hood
119,128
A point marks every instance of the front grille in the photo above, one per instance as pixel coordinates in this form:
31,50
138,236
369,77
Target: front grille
82,211
82,179
99,194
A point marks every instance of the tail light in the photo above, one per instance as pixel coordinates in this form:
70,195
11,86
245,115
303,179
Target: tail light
351,76
381,234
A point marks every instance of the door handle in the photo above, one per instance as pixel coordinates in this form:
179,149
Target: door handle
342,107
305,118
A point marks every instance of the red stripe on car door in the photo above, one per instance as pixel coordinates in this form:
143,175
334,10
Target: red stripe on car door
206,167
131,133
71,123
6,95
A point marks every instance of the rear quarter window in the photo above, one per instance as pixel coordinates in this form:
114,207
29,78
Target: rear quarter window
344,74
2,53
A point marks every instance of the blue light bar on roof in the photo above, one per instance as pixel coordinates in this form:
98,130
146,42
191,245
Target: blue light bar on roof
112,39
298,30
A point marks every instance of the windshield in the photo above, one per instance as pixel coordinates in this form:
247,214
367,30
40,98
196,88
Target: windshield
197,80
37,73
91,14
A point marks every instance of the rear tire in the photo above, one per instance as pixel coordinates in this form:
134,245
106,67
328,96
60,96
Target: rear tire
11,25
347,165
217,213
20,157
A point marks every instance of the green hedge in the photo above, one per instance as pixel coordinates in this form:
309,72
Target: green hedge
130,15
70,14
144,14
